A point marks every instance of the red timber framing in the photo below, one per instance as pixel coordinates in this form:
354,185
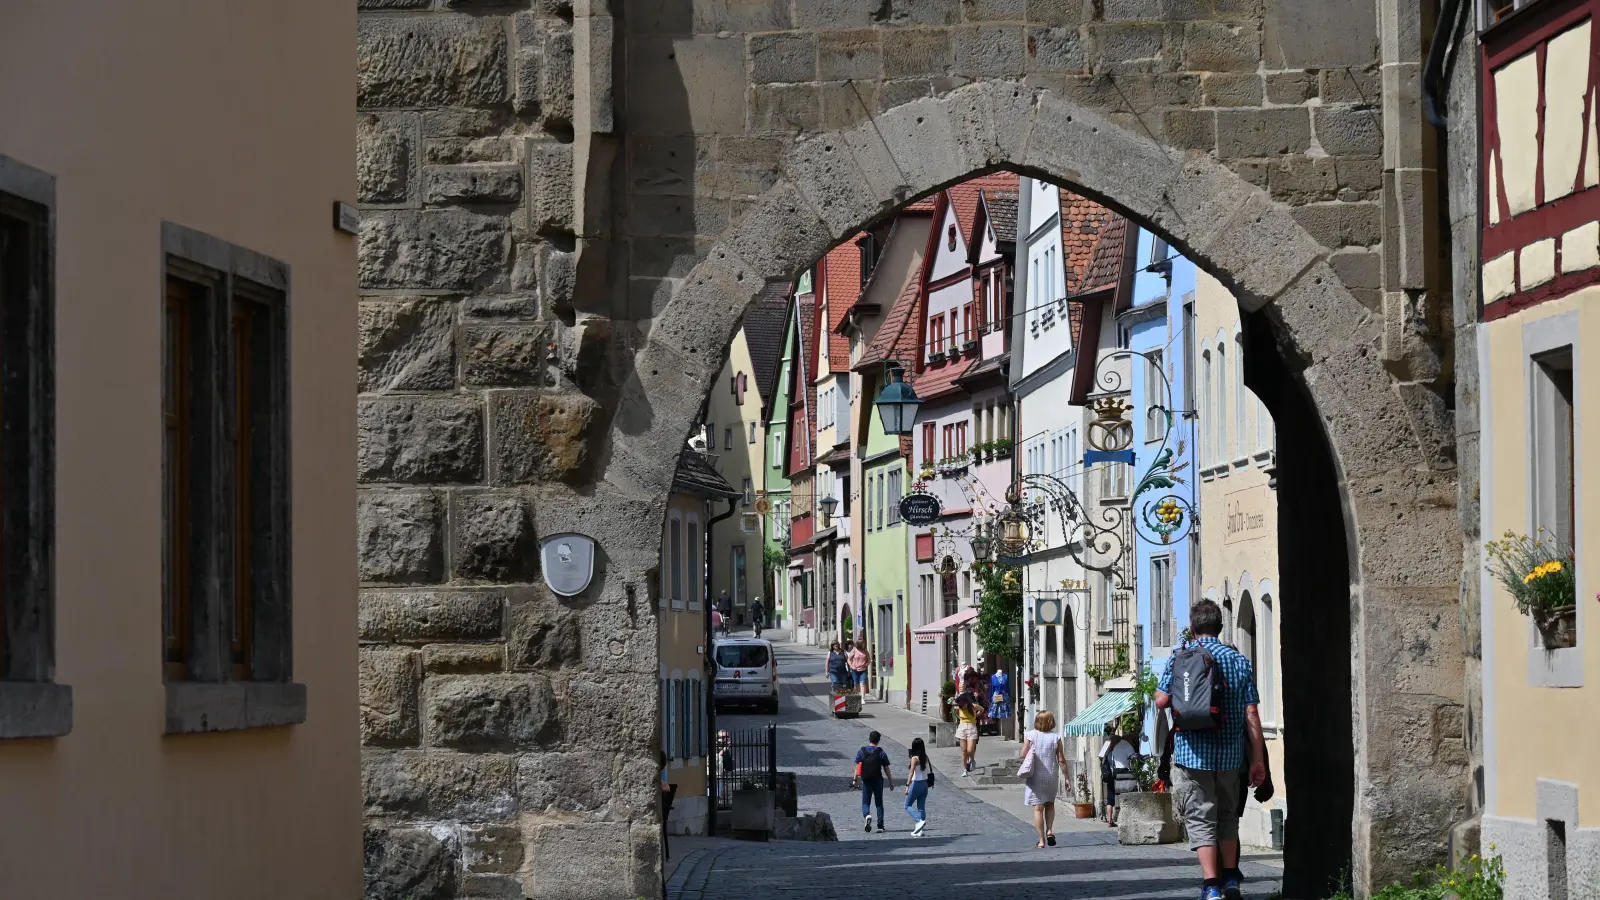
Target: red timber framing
1530,31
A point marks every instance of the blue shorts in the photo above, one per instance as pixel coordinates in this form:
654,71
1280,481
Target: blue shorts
858,678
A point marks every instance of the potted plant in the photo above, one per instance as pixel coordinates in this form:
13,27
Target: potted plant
1540,572
1082,799
980,450
946,691
1002,448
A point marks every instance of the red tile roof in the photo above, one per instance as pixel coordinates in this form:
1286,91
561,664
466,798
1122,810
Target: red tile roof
940,381
1106,270
897,336
926,204
964,197
842,274
1092,236
1002,206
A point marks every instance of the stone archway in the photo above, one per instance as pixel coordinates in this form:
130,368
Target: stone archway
1397,509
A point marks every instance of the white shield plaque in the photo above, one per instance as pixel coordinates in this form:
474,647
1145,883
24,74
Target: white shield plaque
568,562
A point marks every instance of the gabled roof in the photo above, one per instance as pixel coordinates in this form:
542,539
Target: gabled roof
697,475
764,324
1106,268
897,336
926,204
1002,207
842,269
966,196
1083,223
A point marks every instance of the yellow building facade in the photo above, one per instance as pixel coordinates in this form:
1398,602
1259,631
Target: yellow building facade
1541,734
1239,521
698,505
1537,328
736,440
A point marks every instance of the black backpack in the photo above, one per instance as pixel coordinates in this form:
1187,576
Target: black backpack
1197,684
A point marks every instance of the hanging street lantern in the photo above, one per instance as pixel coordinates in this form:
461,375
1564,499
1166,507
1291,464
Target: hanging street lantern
982,545
897,404
828,504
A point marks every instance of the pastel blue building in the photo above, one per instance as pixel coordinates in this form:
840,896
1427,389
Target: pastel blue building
1160,326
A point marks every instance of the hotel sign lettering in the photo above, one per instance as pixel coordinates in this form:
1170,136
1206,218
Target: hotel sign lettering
1245,514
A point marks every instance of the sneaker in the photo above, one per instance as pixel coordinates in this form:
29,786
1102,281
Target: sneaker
868,821
881,829
1211,892
917,828
1231,889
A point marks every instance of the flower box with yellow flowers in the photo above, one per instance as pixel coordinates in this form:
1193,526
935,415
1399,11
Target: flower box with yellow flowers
1541,574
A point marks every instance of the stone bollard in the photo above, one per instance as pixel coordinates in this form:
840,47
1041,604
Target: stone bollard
788,799
754,814
813,827
1146,817
944,734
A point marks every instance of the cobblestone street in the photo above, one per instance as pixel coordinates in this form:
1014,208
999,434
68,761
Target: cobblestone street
973,845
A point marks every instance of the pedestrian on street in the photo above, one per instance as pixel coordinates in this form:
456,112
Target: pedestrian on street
858,666
969,706
872,770
1209,748
1042,775
718,624
918,779
1116,770
756,615
838,670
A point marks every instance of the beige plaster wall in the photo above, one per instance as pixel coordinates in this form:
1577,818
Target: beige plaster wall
1537,732
743,461
1226,490
157,111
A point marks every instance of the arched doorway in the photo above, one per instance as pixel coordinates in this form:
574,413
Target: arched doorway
835,183
1245,631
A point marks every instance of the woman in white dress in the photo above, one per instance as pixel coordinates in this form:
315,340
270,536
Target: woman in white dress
1043,745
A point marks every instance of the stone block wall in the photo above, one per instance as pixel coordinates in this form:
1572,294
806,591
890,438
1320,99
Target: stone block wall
568,203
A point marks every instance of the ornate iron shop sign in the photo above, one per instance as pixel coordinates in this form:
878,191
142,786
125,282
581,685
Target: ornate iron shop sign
920,508
1166,515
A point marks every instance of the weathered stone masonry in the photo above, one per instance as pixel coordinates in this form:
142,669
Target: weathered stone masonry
566,208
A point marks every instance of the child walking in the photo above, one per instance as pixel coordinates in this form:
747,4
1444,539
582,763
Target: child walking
918,781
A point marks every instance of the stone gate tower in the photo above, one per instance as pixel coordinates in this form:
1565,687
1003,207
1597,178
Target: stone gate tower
567,205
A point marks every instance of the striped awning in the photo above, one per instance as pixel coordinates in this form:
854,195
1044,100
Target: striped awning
1092,721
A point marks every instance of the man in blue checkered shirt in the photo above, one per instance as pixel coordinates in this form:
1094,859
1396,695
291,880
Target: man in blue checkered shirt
1206,764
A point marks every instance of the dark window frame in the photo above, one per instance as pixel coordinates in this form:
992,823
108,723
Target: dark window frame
32,704
227,598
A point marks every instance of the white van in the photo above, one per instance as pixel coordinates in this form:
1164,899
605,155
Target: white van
747,673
